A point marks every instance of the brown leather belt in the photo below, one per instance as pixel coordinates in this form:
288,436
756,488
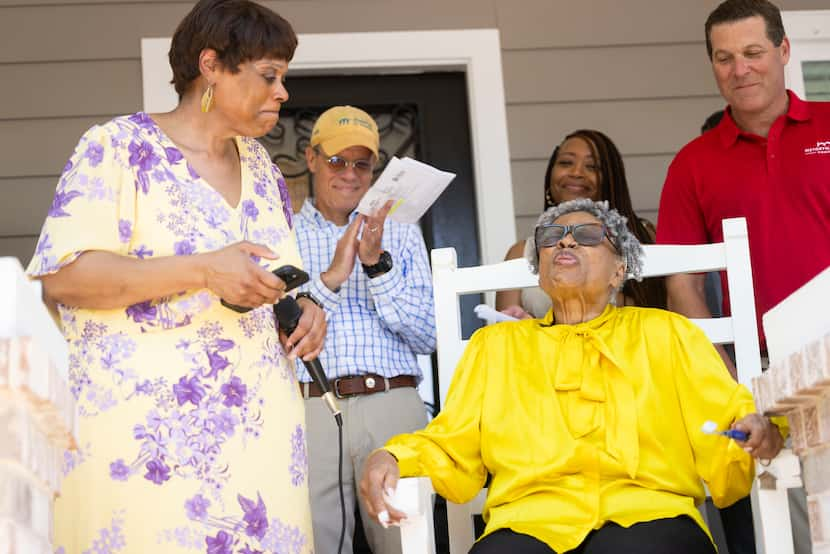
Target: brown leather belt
359,384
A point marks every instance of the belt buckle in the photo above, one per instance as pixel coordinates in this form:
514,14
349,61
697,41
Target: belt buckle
336,388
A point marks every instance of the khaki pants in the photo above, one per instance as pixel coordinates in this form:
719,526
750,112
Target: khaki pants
368,422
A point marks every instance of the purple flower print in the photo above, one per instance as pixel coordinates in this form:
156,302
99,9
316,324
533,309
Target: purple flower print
223,345
249,209
119,471
143,311
154,420
142,183
74,458
145,387
255,516
299,457
60,201
225,422
183,248
260,188
286,201
139,431
222,543
196,507
94,153
142,155
110,539
142,120
157,471
192,171
142,252
189,390
173,154
125,230
282,537
217,363
247,550
234,392
44,244
69,165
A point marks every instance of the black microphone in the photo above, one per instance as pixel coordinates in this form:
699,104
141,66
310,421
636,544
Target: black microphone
288,314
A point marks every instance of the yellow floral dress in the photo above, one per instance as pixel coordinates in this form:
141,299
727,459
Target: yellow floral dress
192,430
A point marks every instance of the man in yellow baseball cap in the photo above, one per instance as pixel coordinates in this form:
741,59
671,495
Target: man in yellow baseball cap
343,126
373,278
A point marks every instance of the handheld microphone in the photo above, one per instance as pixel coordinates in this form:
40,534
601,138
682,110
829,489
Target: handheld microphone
288,314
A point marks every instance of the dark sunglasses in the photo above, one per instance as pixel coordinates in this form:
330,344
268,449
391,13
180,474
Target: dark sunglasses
338,164
586,234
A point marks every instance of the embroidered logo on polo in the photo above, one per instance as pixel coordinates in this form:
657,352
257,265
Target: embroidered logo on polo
821,147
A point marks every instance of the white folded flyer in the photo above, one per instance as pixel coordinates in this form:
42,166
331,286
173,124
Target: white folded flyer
413,185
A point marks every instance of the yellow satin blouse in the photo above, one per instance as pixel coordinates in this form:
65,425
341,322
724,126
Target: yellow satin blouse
584,424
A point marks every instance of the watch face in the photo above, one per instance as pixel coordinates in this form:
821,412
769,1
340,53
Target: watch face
385,260
384,264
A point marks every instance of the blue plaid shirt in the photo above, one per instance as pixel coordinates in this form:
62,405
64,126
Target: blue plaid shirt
374,325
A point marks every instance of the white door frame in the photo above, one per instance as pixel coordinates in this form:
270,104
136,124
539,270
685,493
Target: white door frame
476,52
809,34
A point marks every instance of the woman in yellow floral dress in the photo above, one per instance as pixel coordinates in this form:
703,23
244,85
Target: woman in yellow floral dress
191,425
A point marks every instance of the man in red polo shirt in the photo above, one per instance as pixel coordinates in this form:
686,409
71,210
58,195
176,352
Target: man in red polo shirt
768,161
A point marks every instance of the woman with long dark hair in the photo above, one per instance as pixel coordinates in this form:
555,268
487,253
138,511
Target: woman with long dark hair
587,164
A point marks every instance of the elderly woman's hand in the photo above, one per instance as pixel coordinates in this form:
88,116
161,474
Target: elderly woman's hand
377,485
233,275
306,342
765,440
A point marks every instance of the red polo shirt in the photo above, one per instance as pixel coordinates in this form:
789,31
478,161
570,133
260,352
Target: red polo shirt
780,184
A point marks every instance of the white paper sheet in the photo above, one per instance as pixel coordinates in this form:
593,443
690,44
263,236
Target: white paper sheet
413,185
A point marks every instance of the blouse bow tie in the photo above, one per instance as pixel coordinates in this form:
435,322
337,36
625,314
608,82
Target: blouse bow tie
586,364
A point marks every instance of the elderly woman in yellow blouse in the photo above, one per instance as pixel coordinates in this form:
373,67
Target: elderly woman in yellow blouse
588,420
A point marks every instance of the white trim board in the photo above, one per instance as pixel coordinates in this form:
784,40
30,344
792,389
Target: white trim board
809,34
476,52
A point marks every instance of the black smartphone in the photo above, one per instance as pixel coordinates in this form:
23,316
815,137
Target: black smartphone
292,276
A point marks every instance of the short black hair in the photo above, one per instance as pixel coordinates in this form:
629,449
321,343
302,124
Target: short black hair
736,10
238,30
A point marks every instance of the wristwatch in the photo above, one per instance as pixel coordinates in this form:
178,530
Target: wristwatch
309,296
384,264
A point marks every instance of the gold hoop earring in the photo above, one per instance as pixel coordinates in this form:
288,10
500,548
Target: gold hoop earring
207,99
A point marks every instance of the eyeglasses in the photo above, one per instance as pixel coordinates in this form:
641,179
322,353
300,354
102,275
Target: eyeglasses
586,234
338,164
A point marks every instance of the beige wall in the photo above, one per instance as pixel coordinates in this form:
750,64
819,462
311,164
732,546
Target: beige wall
635,69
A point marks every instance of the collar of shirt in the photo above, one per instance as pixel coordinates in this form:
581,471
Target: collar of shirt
728,131
313,215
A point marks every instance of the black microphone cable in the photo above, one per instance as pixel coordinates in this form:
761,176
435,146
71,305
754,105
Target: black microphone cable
340,485
288,314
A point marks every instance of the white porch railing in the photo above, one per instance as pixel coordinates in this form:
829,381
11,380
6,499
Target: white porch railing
37,414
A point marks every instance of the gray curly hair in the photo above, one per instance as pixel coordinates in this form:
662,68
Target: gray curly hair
628,247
